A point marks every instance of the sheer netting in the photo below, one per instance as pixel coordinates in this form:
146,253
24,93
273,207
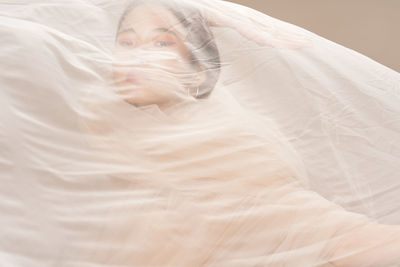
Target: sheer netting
191,133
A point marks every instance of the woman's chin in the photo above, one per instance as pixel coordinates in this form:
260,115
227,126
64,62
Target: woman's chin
138,102
134,97
141,98
142,101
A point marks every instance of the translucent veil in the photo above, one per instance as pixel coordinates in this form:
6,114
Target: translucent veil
191,133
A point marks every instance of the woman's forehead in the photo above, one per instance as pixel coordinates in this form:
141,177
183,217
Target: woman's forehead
148,17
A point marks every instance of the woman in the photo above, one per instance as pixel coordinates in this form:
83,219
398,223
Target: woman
172,42
166,56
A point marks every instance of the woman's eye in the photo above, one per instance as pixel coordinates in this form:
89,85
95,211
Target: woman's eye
126,43
163,43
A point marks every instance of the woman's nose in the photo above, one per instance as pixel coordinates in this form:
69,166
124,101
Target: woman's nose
134,57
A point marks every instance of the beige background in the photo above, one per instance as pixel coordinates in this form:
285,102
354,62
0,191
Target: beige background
370,27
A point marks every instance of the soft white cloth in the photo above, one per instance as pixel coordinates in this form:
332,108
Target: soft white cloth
292,160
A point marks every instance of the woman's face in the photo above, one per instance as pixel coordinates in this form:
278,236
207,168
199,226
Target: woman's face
152,62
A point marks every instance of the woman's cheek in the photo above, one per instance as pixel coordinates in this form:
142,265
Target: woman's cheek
117,76
172,64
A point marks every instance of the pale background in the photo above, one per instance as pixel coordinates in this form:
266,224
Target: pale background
371,27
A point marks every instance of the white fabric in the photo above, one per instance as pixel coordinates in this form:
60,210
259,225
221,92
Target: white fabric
292,160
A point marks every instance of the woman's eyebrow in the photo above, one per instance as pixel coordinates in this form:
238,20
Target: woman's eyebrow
155,30
126,30
165,30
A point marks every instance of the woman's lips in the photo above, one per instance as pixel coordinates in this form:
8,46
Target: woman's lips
133,80
132,77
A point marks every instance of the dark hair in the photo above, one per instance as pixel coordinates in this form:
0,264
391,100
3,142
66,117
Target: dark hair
204,53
